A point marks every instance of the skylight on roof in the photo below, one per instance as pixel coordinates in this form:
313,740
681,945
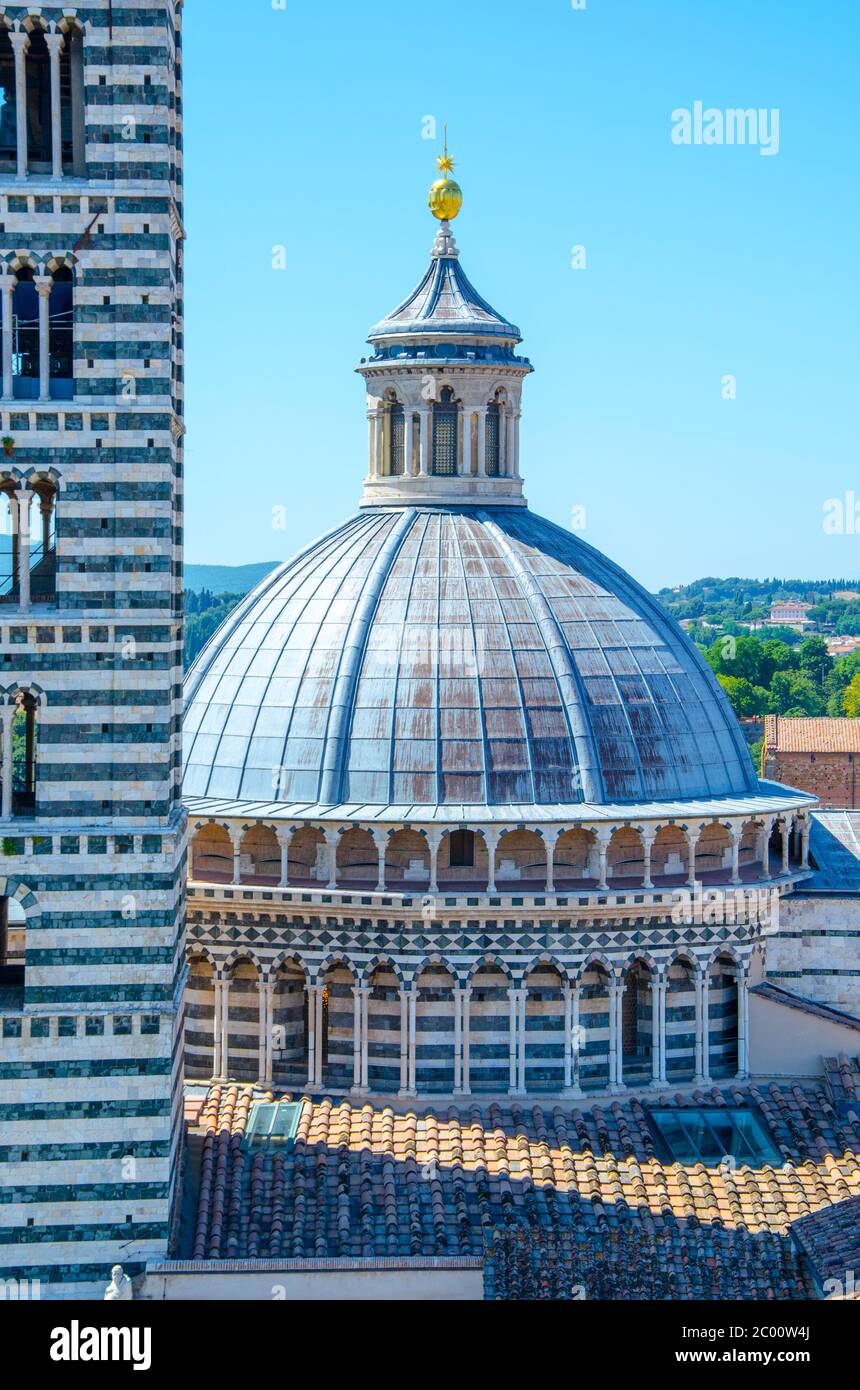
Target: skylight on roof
272,1123
714,1135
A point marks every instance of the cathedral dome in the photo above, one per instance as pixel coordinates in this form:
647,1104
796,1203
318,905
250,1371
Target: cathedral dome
445,648
423,656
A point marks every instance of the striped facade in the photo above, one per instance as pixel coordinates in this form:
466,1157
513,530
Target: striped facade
93,833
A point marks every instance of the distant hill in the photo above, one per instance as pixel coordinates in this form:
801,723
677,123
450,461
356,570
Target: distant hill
226,579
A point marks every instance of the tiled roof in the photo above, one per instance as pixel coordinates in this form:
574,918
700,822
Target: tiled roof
777,995
831,1240
787,735
361,1180
842,1078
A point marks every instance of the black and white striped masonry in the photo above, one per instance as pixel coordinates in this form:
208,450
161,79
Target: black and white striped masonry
93,836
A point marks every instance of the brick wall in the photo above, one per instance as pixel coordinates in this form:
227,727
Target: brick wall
833,777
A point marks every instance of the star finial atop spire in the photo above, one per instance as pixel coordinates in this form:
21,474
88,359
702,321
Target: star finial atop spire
446,196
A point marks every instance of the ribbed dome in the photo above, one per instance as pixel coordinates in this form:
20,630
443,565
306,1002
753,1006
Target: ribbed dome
436,656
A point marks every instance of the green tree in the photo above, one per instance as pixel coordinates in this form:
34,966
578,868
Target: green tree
851,698
746,699
794,694
814,659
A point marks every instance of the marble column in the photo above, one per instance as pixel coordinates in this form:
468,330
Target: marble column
603,855
236,842
736,834
434,838
467,443
360,996
550,841
491,840
7,714
225,1026
692,842
217,1036
515,997
24,499
404,1041
20,44
424,441
8,286
743,1024
262,1035
331,841
55,44
284,838
648,837
466,1024
269,994
664,990
805,826
315,1038
785,833
380,839
412,1057
572,1043
616,1079
408,437
703,1060
655,1030
44,285
458,1040
482,442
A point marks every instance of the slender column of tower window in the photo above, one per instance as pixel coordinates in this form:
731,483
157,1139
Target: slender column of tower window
7,714
513,1038
692,842
412,1050
408,437
424,444
9,283
356,1036
743,1022
482,442
262,1034
404,1041
312,992
648,837
664,990
655,1030
467,443
269,993
217,1065
465,1073
44,285
785,834
458,1039
79,134
20,44
24,499
736,853
550,841
55,44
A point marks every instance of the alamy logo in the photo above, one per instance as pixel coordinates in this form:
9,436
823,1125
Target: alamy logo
735,126
76,1343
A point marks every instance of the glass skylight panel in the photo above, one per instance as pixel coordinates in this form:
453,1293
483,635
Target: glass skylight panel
714,1135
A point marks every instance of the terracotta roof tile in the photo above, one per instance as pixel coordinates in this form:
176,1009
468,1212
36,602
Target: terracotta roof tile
787,735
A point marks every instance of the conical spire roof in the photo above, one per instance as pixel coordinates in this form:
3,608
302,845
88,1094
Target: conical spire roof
445,302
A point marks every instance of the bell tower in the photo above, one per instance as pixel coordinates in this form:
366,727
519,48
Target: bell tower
444,386
91,821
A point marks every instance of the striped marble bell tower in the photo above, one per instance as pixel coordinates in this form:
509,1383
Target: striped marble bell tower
92,833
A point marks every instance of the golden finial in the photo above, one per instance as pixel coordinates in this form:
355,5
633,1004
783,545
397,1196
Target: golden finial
446,196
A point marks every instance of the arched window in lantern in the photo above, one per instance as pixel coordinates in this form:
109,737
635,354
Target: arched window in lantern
493,438
396,439
445,433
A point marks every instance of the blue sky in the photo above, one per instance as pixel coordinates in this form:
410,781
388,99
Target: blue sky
303,128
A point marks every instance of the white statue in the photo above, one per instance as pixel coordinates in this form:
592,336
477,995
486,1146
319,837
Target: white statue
119,1290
